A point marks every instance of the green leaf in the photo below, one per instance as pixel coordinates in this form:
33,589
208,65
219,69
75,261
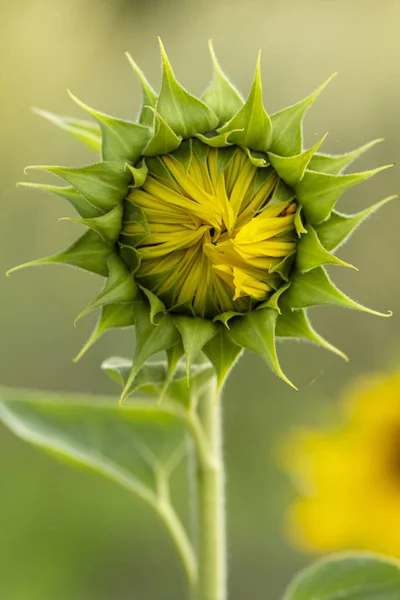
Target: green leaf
335,164
103,184
315,288
185,114
80,204
295,324
84,131
120,287
149,96
164,140
108,226
348,576
335,230
252,119
127,446
255,331
221,96
287,125
112,316
291,168
319,192
89,252
311,253
223,355
121,140
195,332
139,173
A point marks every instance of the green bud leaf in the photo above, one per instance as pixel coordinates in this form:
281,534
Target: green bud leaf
335,230
84,131
195,332
311,253
252,119
184,113
223,355
156,306
319,192
295,324
221,96
108,226
103,184
121,140
336,164
184,154
80,204
148,94
315,288
348,576
287,125
139,173
255,331
89,252
164,139
291,168
220,140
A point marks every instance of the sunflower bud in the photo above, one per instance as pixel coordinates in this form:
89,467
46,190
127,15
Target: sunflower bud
209,221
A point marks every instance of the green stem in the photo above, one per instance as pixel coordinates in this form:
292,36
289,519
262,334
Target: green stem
211,505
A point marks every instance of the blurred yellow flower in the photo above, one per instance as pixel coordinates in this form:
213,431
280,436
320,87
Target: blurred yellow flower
348,478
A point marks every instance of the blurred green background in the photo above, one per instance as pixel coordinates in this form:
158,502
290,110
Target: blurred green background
66,534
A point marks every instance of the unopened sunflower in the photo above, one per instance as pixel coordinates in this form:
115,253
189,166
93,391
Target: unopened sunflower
209,221
348,476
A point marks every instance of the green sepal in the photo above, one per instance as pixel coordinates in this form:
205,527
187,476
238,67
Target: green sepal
108,226
184,154
103,184
295,324
156,305
89,252
149,96
139,174
174,355
334,164
164,140
224,157
274,300
284,267
311,253
158,169
221,96
319,192
298,222
335,230
255,331
258,159
287,132
226,316
84,131
112,316
121,140
291,168
219,140
195,333
80,204
223,355
135,214
131,257
252,119
315,288
184,113
119,288
150,339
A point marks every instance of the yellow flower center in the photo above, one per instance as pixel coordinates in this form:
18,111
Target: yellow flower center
217,232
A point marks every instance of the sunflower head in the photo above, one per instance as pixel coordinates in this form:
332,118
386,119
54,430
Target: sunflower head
209,221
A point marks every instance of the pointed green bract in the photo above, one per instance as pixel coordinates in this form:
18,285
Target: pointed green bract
108,226
315,288
295,324
291,168
195,333
221,96
103,184
319,192
80,204
84,131
184,113
311,253
255,331
252,119
223,355
112,316
149,95
139,173
339,227
164,139
336,164
121,140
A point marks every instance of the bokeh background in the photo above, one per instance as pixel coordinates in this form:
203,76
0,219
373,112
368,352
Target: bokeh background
67,534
